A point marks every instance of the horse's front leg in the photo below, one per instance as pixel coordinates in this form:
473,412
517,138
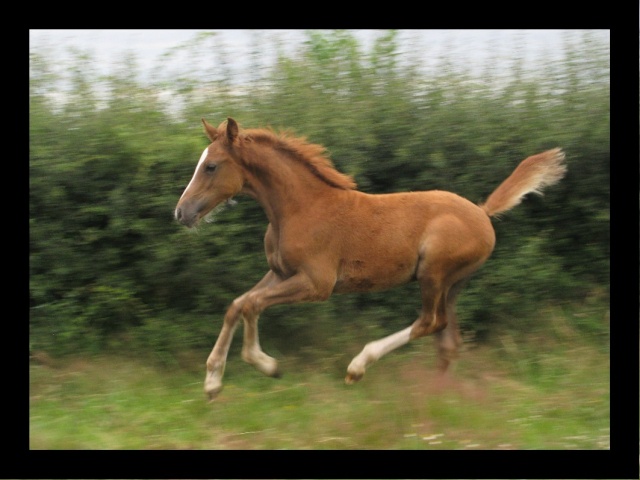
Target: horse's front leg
218,356
251,351
272,290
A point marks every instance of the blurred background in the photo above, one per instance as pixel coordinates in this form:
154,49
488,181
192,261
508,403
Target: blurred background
115,134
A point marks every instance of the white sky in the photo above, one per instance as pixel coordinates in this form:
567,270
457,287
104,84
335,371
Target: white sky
107,46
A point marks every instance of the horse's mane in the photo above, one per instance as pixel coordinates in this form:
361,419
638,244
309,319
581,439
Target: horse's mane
312,156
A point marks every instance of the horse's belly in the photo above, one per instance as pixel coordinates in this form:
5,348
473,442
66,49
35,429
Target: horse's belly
374,274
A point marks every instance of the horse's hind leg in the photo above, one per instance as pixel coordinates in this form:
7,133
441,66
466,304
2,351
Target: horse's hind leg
437,317
372,351
432,319
449,340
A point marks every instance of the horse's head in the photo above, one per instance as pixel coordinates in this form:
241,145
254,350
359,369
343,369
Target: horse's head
218,176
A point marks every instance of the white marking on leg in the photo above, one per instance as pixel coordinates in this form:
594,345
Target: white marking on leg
202,158
217,361
381,347
375,350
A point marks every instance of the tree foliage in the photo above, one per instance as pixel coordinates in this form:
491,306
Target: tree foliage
110,268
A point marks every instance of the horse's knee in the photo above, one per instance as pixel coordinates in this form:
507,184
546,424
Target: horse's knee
234,311
250,307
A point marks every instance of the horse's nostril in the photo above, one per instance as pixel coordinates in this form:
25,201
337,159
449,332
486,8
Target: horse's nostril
178,214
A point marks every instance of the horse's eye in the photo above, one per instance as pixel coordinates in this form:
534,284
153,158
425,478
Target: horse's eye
210,167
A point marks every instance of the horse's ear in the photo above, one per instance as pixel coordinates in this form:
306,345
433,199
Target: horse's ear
232,129
210,130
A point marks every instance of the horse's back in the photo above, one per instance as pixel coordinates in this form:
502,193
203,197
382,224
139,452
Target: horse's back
413,216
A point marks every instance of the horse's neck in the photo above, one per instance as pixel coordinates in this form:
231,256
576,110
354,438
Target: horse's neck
284,187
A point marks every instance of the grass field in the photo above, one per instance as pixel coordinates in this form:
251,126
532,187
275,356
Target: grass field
539,393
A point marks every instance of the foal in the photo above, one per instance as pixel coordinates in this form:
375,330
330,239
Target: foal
326,237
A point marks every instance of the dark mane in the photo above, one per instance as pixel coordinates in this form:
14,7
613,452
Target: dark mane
312,156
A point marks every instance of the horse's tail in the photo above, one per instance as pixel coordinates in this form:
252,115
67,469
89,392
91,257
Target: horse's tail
532,175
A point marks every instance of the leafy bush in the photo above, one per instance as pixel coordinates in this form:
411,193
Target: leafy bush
110,267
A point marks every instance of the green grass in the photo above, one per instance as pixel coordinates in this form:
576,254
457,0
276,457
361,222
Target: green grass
545,392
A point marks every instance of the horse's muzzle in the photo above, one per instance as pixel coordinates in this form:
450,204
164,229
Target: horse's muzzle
186,219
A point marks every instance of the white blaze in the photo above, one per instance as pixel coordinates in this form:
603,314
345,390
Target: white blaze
202,157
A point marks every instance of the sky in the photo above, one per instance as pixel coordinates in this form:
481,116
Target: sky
107,46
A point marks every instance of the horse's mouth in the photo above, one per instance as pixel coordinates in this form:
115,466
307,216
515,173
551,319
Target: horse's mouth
188,222
228,203
191,219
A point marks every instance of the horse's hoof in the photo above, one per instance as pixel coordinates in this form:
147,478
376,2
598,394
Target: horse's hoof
212,394
212,388
352,378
